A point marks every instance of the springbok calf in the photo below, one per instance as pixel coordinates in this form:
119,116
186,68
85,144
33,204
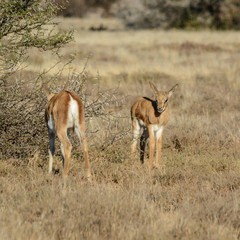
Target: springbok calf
151,116
65,111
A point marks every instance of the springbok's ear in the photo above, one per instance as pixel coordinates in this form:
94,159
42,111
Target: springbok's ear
153,88
170,92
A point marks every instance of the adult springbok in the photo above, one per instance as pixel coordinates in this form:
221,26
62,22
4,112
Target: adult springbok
65,111
150,117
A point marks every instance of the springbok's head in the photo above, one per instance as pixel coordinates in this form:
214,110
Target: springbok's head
162,97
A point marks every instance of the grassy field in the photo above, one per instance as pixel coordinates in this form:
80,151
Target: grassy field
196,193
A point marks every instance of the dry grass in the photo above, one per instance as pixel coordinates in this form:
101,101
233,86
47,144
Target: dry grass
195,195
182,55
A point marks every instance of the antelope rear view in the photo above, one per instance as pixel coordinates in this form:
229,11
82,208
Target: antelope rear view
149,117
65,111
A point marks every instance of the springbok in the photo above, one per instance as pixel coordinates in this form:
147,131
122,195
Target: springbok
65,111
150,116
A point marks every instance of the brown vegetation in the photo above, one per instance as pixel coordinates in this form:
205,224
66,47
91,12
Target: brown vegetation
195,196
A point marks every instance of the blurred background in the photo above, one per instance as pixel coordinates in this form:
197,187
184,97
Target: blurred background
139,14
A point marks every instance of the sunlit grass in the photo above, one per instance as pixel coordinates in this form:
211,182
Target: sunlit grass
180,55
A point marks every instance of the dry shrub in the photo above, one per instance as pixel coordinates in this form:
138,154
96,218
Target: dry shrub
22,124
23,127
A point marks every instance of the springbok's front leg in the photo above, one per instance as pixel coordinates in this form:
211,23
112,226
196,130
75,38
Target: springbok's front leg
151,146
159,134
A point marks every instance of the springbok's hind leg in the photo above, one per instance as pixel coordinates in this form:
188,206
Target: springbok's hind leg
66,150
80,131
51,136
135,133
85,152
63,154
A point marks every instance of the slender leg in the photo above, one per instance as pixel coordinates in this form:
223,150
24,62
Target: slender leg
67,147
51,135
135,132
151,146
85,152
159,145
82,137
63,154
143,140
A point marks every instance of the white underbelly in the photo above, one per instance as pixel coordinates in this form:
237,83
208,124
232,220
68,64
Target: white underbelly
155,128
